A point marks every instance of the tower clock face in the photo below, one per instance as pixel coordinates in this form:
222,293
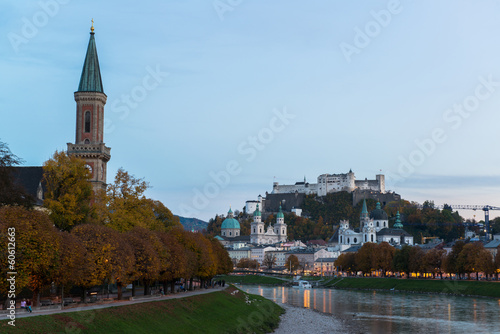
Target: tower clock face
89,168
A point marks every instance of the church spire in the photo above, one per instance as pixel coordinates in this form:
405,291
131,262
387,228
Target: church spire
90,81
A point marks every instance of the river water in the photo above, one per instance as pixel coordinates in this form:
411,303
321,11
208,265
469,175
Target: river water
386,312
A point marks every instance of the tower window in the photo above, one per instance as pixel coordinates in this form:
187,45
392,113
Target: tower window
87,121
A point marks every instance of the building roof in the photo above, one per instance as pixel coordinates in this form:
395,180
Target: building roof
352,249
378,213
493,244
325,259
393,232
30,179
90,81
335,237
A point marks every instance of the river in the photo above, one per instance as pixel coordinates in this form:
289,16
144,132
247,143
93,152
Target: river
386,312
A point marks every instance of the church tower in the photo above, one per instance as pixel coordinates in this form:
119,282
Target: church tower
257,227
90,100
280,227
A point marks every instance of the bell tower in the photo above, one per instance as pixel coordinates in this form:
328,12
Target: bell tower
90,100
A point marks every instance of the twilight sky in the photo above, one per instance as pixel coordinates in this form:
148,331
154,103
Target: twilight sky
211,101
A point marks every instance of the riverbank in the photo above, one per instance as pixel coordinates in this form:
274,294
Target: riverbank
230,310
304,320
451,287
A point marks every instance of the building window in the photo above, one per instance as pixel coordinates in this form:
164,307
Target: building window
340,239
378,224
365,238
230,233
355,240
254,230
348,240
87,121
372,237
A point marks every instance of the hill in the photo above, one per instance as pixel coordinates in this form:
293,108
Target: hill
193,223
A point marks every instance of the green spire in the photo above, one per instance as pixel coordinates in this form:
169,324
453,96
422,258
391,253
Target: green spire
257,211
90,81
364,211
280,213
398,221
378,206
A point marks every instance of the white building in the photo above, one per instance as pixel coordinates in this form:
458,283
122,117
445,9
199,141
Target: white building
272,235
330,183
373,228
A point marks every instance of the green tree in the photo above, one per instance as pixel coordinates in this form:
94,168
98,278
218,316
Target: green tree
347,262
69,193
401,260
452,263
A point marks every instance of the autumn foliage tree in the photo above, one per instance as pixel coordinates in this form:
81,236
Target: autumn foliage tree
69,193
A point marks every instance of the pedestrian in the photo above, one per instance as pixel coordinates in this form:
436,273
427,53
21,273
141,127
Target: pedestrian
23,304
161,291
28,305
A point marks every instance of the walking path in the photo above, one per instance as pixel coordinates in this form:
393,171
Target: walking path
21,313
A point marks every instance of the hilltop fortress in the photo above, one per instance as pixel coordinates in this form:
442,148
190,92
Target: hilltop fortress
330,183
291,196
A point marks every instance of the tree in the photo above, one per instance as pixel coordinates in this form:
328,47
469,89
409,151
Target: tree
497,261
433,261
36,247
401,260
415,260
101,246
69,193
384,254
177,264
11,193
269,261
147,260
452,263
365,258
347,262
248,263
292,263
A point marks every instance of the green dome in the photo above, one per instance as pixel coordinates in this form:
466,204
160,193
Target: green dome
257,212
280,214
230,222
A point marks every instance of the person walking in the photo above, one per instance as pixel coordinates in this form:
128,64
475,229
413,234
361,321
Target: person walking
23,304
28,306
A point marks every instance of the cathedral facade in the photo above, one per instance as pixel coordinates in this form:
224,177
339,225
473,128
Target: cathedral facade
373,227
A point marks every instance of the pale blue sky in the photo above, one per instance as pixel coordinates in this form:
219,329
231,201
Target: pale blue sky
232,65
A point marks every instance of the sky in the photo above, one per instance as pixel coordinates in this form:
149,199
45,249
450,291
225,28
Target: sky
211,101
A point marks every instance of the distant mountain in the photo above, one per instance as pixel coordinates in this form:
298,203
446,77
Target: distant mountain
193,223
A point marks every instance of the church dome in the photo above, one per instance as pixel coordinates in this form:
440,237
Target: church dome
378,213
280,214
230,222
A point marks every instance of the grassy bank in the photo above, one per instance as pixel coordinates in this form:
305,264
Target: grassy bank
472,288
229,311
252,279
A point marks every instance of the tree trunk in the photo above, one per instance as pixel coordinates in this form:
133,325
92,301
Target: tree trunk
84,291
119,290
172,286
191,284
36,297
133,289
146,288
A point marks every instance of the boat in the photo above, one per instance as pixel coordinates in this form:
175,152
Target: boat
302,285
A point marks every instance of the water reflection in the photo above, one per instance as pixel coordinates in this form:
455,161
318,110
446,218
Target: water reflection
395,312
